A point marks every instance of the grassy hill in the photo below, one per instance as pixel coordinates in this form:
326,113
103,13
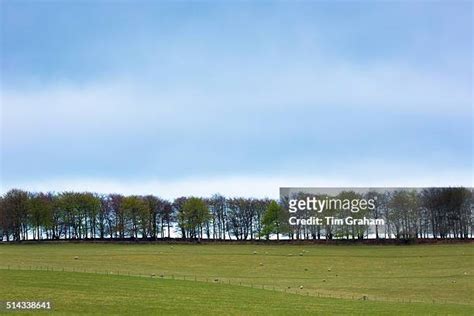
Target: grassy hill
241,279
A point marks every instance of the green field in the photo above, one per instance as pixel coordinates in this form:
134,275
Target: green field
241,279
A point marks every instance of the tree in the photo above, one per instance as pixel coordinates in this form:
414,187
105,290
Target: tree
105,217
154,205
118,214
260,206
167,216
450,211
88,206
241,217
15,214
136,212
3,220
40,209
426,213
218,207
271,220
194,214
354,231
177,206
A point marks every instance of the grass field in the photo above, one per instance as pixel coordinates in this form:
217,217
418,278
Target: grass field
241,279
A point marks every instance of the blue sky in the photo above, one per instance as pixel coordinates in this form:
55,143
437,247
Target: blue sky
178,98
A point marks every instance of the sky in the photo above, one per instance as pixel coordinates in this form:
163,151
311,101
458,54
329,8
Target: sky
239,98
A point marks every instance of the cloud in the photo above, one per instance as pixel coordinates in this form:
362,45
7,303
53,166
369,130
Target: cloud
113,105
356,175
236,97
260,120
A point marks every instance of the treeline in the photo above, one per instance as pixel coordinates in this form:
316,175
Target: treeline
426,213
408,214
85,215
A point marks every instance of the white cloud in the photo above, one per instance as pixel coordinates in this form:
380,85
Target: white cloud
54,114
117,105
248,185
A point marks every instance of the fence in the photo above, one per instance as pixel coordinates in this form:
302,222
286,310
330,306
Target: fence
297,290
